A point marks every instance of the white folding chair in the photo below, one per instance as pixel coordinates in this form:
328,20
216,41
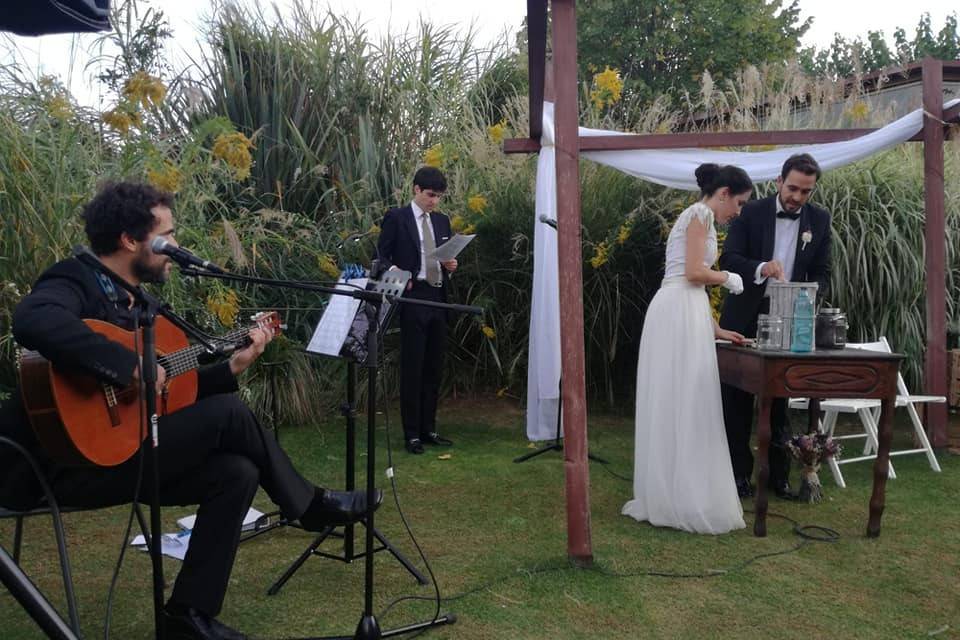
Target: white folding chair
869,413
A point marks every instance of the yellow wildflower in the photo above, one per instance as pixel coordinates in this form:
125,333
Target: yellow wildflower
457,223
470,228
224,305
374,229
167,177
607,88
328,266
859,111
600,255
488,331
59,107
234,149
434,156
477,203
497,131
144,89
120,120
624,234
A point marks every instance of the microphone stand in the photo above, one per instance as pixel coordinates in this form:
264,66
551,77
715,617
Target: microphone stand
149,307
368,627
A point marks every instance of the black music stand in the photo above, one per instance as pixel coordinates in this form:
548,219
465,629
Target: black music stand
341,334
557,444
368,628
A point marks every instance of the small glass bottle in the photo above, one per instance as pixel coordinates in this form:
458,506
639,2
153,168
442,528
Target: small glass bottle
769,332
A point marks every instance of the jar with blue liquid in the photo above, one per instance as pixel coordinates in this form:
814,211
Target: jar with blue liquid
801,337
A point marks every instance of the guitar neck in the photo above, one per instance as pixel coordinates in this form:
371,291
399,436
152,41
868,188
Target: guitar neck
184,360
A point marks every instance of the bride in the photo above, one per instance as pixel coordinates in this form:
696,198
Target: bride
682,476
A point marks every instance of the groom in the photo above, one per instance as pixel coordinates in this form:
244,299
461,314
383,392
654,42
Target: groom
785,238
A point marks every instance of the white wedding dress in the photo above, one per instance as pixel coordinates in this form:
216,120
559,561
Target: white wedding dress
682,475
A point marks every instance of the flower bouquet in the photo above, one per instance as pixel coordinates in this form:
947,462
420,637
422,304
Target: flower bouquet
811,450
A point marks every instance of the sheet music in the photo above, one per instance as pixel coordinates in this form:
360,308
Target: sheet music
451,248
335,323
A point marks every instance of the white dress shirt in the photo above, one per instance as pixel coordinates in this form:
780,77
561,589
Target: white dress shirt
784,245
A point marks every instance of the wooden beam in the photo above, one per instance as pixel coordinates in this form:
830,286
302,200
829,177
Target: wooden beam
572,360
935,364
536,62
721,139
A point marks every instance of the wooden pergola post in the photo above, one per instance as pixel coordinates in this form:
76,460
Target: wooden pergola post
570,262
935,363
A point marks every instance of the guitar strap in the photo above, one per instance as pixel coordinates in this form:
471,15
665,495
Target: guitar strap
109,289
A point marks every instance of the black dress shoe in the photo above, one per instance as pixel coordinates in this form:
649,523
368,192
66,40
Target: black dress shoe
414,445
744,488
783,492
331,508
187,623
434,438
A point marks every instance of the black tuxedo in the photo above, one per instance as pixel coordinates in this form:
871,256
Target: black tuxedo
212,453
750,241
423,330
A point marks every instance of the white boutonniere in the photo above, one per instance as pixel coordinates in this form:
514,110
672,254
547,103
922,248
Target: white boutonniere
806,237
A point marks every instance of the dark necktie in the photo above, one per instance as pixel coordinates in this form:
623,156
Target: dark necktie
788,215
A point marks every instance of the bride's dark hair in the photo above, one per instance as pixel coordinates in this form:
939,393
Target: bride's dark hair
711,177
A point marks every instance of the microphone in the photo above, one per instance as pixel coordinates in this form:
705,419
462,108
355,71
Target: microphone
181,256
547,221
355,237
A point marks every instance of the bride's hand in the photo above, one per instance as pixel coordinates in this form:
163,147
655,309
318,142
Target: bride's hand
732,336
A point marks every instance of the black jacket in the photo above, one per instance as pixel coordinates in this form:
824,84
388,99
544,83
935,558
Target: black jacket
750,241
399,242
49,320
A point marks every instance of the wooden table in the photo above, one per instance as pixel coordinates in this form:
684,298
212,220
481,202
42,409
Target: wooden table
843,373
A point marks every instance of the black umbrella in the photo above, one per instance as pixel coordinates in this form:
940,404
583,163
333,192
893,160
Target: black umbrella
39,17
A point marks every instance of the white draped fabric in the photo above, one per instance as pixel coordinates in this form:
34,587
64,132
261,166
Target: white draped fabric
668,167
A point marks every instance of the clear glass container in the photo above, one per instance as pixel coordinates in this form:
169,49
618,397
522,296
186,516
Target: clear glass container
769,332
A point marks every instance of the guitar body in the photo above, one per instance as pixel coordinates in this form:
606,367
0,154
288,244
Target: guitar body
81,421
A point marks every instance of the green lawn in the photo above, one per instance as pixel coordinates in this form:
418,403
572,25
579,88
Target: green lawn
496,531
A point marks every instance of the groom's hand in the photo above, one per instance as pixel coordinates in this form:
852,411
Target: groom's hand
773,269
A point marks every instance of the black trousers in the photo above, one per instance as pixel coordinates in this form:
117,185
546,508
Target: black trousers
423,338
213,454
738,420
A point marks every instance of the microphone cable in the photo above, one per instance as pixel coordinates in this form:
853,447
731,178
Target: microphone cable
825,535
396,499
135,503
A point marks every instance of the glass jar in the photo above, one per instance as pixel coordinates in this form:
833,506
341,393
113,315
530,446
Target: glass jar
831,328
769,332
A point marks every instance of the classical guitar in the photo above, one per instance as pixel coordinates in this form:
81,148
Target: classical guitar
80,420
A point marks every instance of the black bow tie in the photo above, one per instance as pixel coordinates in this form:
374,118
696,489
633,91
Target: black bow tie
788,215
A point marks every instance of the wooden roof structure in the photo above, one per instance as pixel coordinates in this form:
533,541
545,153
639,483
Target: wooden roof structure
568,146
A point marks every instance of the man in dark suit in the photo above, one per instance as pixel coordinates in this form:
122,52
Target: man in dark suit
212,453
786,238
407,236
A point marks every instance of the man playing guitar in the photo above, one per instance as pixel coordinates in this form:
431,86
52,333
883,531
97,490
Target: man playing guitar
212,453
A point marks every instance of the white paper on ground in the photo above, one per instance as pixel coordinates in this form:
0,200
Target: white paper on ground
174,545
249,520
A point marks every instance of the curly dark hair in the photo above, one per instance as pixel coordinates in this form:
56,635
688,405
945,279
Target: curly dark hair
121,207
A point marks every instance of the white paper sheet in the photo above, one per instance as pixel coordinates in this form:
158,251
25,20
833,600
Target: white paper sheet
451,248
335,322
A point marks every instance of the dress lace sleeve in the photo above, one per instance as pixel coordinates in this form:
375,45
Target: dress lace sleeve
700,211
703,213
